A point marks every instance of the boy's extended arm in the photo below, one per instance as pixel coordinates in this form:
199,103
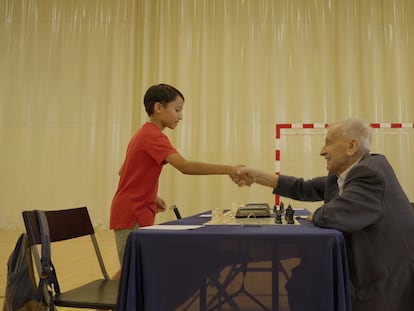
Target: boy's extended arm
201,168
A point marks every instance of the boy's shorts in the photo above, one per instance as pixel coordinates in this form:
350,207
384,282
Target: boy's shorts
121,236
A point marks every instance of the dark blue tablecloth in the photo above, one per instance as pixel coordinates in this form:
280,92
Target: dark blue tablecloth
163,269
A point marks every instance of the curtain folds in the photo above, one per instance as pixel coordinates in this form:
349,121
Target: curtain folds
73,74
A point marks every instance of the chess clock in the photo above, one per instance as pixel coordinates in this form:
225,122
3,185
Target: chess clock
253,210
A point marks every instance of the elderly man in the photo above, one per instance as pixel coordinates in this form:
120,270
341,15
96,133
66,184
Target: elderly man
364,200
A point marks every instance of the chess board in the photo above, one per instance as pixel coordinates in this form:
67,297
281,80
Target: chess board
229,219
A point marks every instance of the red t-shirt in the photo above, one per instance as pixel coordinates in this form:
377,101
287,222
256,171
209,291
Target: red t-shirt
135,198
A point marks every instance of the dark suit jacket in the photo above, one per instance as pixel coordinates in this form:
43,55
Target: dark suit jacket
377,220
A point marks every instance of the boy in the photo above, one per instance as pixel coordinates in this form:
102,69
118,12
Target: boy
135,202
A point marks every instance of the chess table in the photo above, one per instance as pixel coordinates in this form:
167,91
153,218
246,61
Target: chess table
238,267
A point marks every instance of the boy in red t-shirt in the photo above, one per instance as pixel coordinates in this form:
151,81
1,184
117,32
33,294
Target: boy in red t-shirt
136,202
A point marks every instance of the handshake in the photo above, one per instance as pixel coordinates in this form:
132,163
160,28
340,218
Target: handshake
242,175
245,176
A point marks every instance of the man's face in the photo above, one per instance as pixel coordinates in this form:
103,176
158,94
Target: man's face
338,150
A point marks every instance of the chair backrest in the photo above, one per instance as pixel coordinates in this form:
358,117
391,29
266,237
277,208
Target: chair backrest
63,224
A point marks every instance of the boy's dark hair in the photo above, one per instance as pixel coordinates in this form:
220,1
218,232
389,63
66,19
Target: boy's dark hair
162,93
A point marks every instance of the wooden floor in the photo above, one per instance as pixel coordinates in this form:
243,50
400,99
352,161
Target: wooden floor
74,261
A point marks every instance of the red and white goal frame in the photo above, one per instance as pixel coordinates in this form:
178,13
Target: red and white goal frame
287,126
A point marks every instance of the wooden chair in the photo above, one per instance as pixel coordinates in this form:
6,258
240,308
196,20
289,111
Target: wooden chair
64,225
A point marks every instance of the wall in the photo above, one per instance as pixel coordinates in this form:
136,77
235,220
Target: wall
73,74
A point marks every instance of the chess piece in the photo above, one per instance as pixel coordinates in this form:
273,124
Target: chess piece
278,219
289,215
282,208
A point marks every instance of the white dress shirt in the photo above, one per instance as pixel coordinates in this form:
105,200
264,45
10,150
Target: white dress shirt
342,177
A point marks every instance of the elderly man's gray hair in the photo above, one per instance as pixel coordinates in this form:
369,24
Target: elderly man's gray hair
357,129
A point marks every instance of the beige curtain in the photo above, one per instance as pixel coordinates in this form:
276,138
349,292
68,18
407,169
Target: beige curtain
73,74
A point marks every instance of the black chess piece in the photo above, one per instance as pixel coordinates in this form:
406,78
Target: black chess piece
282,208
278,219
288,211
289,215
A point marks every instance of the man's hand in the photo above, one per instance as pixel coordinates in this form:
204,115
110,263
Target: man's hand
247,176
240,179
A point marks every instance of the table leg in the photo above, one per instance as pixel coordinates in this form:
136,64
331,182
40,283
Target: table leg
203,295
275,278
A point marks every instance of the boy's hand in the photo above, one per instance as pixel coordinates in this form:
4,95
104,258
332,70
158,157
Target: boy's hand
241,179
161,206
